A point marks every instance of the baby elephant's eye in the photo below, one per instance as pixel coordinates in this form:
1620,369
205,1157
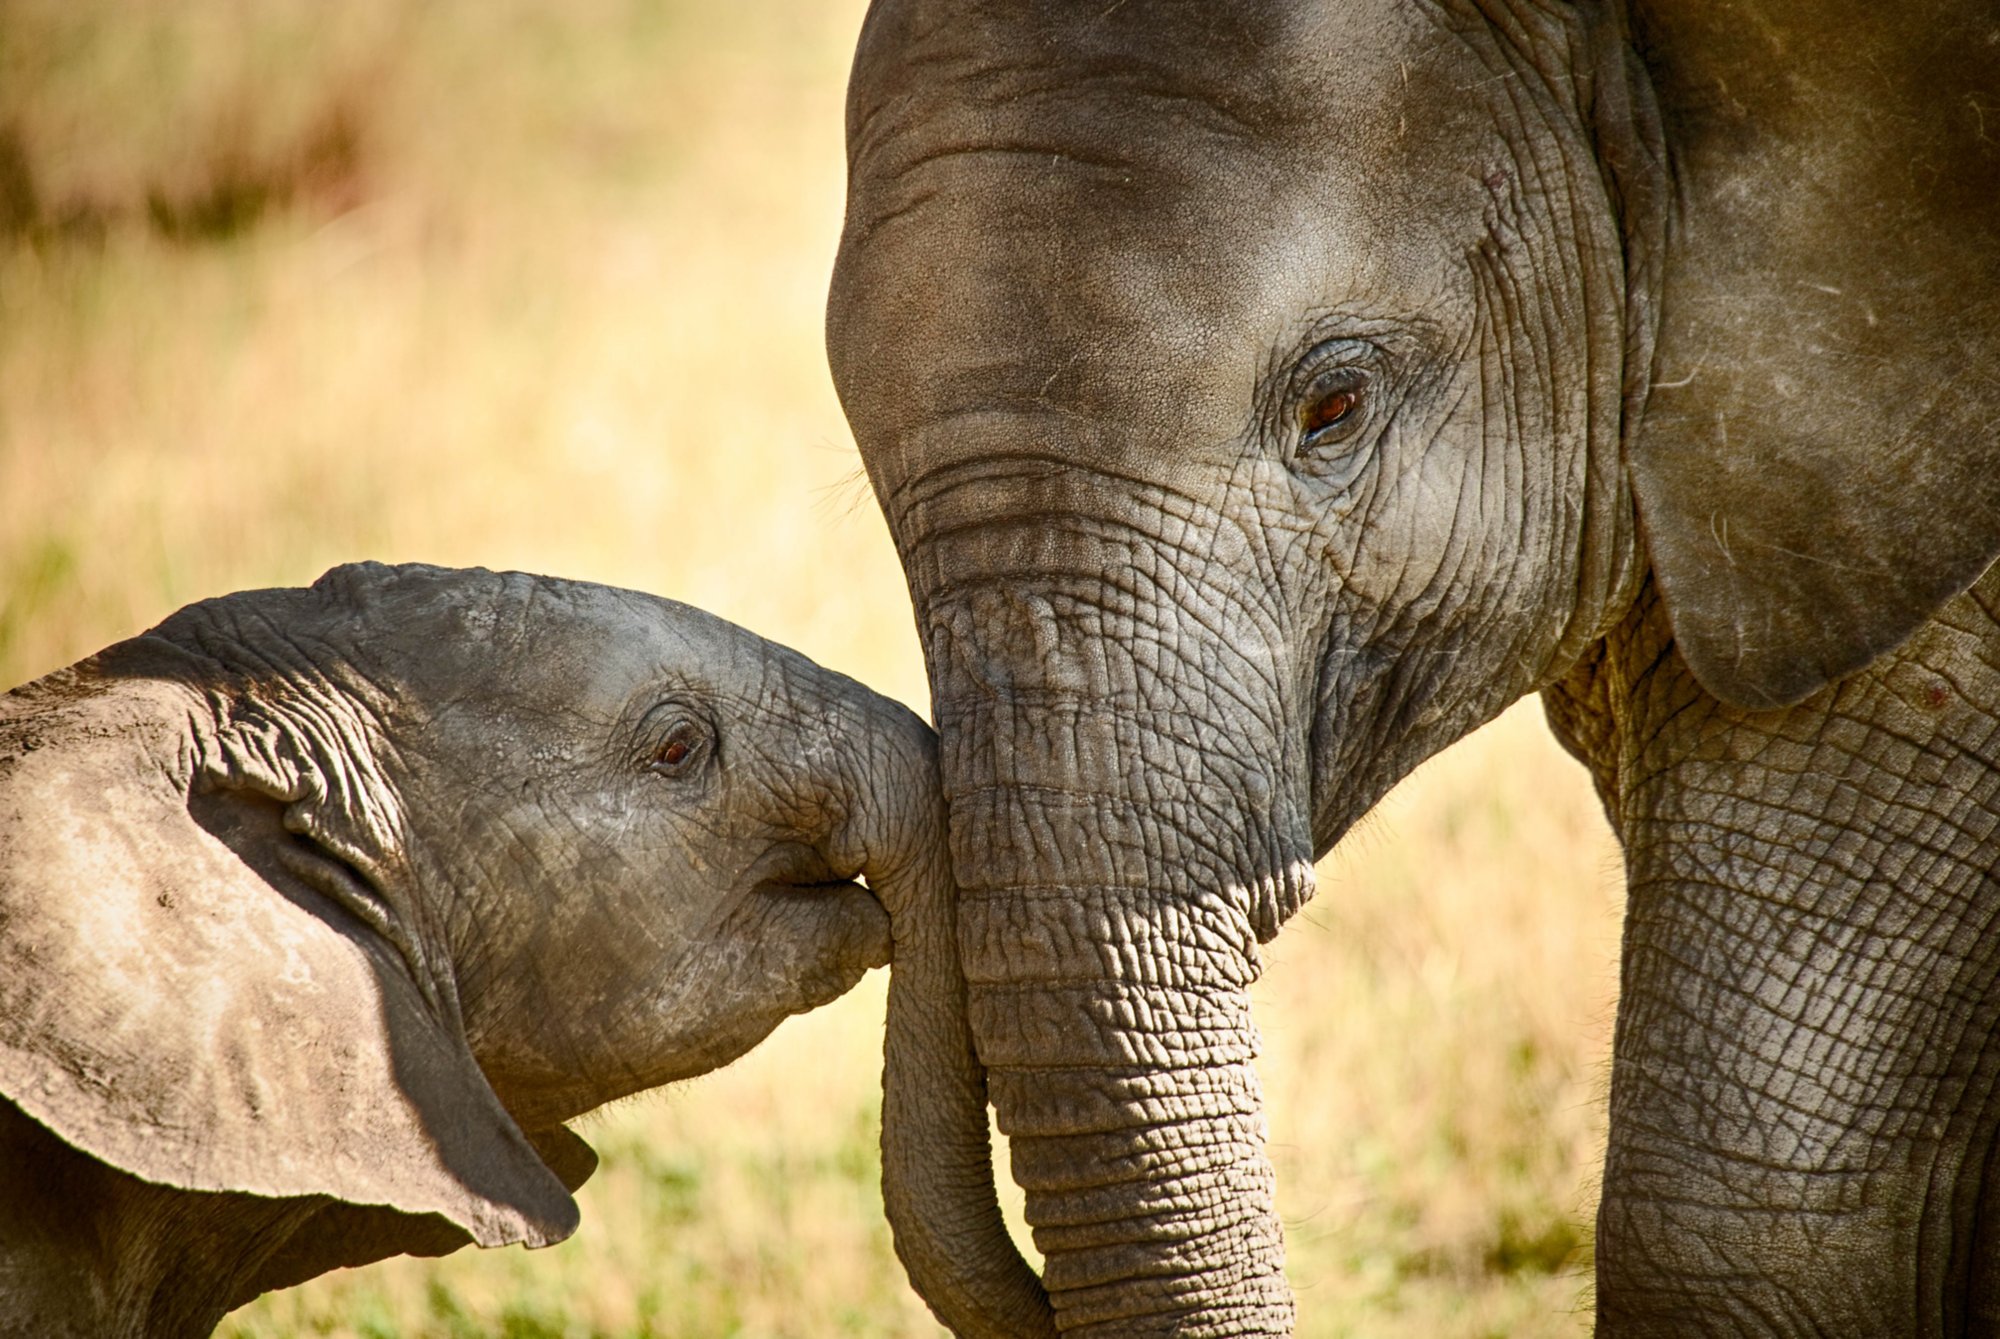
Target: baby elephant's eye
678,750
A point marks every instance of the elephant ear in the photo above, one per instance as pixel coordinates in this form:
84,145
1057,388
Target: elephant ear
179,1002
1818,464
348,1236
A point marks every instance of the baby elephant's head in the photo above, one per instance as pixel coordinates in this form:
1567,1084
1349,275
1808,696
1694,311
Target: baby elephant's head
630,829
360,890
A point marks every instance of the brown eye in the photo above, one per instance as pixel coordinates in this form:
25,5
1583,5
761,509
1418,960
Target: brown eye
678,751
1331,411
1328,410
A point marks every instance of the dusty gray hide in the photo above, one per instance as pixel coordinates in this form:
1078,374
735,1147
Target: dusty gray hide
321,911
1262,396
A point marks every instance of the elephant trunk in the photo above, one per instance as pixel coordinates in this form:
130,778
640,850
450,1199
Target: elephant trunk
1111,898
937,1163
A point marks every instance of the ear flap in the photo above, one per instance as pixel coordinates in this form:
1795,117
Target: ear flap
348,1236
1818,465
177,1004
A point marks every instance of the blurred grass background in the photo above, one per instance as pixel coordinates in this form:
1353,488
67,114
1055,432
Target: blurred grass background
284,284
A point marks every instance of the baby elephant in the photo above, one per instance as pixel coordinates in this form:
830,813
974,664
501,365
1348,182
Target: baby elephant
321,911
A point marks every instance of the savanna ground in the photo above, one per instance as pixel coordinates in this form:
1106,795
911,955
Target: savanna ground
528,285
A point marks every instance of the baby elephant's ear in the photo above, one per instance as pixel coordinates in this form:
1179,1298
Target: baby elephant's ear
348,1236
177,1004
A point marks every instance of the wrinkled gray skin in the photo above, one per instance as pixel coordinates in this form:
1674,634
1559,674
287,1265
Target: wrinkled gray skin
1262,395
324,909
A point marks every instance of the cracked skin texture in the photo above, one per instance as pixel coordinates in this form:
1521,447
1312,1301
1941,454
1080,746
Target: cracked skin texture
1804,1082
326,908
1263,396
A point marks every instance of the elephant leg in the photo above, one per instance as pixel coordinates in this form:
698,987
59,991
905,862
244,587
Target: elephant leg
1803,1102
1786,1156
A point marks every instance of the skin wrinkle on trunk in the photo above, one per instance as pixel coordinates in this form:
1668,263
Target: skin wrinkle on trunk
937,1167
1114,1021
1091,1032
1806,1079
1174,647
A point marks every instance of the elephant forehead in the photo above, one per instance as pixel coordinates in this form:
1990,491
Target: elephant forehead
1267,68
547,680
609,644
1189,107
548,648
1119,226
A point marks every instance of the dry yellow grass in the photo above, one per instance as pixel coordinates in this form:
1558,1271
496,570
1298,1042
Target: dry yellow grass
537,286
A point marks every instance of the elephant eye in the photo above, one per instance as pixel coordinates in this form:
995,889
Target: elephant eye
678,750
1332,408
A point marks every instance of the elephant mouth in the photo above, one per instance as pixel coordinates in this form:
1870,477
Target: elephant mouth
797,870
799,882
803,888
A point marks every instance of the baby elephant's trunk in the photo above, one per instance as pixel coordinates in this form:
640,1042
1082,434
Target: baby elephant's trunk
937,1166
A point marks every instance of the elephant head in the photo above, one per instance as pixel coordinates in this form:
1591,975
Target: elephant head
1262,396
357,892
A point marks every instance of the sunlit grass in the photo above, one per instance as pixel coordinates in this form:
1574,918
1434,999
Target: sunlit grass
284,284
1437,1025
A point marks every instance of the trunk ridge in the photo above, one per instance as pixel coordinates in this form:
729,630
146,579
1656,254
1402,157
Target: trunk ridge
1124,824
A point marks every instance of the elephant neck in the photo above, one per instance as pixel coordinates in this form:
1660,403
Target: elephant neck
91,1250
1890,776
1809,970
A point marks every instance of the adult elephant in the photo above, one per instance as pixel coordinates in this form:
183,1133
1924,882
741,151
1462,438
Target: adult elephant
1263,395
